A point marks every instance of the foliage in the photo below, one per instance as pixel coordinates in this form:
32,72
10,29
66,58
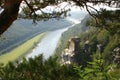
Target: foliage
103,36
115,73
37,69
108,20
113,42
40,69
76,30
11,9
101,68
96,71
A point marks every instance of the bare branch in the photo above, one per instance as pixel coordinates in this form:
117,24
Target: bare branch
93,15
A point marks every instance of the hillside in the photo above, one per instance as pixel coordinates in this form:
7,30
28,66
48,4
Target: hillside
95,44
97,57
95,36
71,32
22,30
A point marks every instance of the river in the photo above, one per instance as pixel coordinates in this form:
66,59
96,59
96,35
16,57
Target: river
48,44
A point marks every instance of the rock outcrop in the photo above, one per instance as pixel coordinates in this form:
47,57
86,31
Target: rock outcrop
68,53
116,55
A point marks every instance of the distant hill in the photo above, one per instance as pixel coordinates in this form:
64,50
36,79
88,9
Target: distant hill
23,29
100,41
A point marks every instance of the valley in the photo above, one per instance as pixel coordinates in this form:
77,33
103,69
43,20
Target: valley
20,51
59,40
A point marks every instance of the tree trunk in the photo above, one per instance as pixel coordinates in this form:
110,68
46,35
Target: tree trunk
10,13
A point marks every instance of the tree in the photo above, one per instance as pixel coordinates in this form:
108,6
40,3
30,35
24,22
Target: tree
11,8
108,20
10,13
38,69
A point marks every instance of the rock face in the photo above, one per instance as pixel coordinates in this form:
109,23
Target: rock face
86,47
68,53
116,55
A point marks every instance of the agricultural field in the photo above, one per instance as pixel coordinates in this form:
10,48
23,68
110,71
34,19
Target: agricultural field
21,50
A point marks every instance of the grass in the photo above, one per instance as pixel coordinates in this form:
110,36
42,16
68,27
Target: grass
20,50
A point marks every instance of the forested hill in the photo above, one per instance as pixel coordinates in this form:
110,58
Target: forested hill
71,32
107,39
95,44
23,29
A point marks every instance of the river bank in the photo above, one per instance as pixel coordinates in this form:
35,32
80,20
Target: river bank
48,44
21,50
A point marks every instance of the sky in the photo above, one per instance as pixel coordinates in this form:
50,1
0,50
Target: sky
66,6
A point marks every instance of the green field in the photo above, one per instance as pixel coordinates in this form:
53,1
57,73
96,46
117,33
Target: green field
20,51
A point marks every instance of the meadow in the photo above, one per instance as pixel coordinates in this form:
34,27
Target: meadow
21,50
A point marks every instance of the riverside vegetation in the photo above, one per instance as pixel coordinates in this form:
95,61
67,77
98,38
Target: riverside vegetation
24,29
22,50
100,64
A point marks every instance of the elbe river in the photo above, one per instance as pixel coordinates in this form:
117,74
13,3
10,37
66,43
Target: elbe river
48,44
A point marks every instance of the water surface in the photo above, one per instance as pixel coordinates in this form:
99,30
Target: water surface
48,44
